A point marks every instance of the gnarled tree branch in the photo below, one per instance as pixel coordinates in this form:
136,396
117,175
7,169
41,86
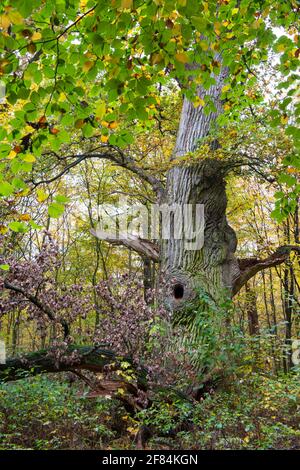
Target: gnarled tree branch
251,266
89,358
113,154
76,359
145,248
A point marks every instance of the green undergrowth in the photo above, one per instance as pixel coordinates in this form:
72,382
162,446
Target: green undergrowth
251,411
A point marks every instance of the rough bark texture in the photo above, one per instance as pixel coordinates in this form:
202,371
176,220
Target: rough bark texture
89,358
75,359
194,123
212,268
143,247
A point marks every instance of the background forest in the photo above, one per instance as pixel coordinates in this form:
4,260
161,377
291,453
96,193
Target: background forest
126,372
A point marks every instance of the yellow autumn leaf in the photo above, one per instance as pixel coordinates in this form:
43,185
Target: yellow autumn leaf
284,119
104,123
225,88
36,36
12,154
113,125
100,109
62,97
132,430
27,129
24,192
4,22
234,11
281,48
104,138
15,17
217,28
156,58
25,217
29,158
3,229
198,102
41,195
182,57
87,65
215,46
126,4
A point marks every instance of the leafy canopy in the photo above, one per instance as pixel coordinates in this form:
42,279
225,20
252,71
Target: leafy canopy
87,67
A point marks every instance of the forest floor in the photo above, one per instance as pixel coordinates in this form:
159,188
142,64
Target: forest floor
254,411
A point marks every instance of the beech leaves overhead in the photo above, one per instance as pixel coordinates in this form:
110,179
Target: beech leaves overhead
83,69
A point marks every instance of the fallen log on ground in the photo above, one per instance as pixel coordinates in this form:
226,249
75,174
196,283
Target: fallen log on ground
78,359
74,358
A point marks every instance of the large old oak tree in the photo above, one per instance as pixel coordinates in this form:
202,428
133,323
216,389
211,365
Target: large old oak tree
80,77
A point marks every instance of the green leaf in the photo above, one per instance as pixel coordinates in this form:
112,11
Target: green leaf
87,130
4,267
287,179
18,183
18,227
100,109
34,225
29,158
62,199
199,22
6,189
55,210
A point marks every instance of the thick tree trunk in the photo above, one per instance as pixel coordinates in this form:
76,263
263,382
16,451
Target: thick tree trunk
213,267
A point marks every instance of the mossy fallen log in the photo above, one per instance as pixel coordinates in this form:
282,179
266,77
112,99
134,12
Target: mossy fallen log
74,358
